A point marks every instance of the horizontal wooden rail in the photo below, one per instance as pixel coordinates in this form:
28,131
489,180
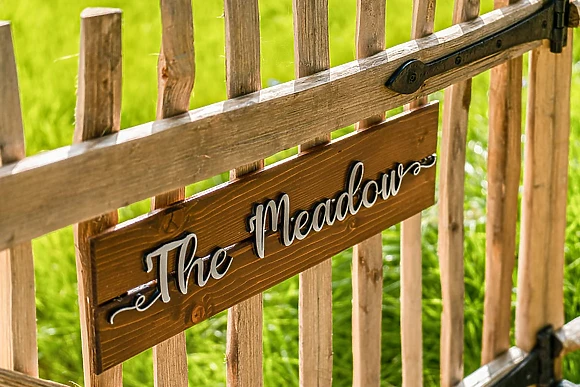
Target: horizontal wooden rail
16,379
52,189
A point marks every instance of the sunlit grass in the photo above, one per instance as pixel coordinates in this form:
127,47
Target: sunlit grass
46,37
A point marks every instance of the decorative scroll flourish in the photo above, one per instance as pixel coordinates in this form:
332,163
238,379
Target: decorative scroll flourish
270,216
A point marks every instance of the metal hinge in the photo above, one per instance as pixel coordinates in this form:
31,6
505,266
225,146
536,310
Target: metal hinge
538,366
550,22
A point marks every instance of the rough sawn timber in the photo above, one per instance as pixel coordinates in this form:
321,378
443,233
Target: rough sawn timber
18,349
176,74
244,330
311,56
411,254
98,113
367,256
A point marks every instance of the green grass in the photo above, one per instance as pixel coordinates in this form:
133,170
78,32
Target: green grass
46,35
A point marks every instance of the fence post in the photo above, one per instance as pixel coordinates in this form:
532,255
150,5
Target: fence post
411,255
18,350
176,72
503,170
311,55
244,331
451,199
543,225
98,113
367,256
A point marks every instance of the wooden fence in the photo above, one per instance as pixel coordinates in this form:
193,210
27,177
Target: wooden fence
85,183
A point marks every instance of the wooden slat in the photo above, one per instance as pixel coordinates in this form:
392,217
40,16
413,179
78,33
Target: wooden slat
16,379
503,168
176,72
18,349
307,179
98,113
367,257
311,55
411,256
244,341
157,157
541,258
451,198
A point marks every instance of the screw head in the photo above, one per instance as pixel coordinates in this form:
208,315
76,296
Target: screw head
458,60
544,24
412,78
498,43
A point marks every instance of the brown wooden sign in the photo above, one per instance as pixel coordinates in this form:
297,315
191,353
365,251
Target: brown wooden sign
157,275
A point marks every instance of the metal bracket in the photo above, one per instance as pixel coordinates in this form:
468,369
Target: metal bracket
547,23
538,367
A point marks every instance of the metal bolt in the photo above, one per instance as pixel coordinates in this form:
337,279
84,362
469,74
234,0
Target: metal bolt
458,60
412,78
498,43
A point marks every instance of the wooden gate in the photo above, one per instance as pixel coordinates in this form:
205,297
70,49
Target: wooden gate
270,223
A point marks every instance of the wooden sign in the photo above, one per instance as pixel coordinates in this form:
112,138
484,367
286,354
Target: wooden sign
161,273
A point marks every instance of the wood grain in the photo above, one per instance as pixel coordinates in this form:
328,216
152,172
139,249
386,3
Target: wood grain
489,374
176,73
503,169
18,350
569,336
311,56
98,113
244,331
321,174
452,178
541,258
156,157
367,256
16,379
411,254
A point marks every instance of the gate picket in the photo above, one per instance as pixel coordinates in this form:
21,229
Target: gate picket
98,113
244,332
367,257
503,171
311,55
452,192
543,224
176,73
411,255
18,349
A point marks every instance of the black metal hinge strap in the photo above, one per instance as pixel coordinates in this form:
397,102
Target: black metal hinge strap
547,23
538,367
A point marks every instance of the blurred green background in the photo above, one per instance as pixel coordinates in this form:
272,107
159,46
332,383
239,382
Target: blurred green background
46,35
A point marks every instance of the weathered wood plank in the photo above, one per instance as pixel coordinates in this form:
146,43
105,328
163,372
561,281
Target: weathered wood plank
244,331
157,157
18,350
367,256
569,335
176,73
16,379
453,143
503,168
307,179
98,113
541,258
411,254
311,56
